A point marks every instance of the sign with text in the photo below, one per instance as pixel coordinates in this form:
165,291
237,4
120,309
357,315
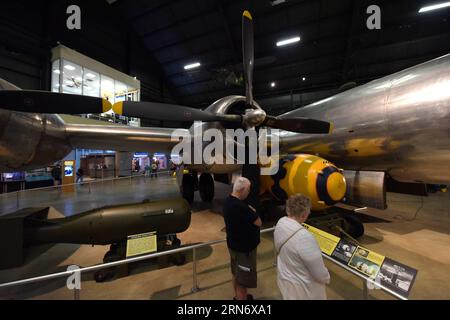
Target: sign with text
141,244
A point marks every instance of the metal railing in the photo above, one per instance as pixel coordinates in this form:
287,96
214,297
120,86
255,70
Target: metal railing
195,287
19,193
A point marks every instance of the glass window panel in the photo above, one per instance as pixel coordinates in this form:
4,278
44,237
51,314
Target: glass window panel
91,83
72,78
120,91
132,94
55,76
107,88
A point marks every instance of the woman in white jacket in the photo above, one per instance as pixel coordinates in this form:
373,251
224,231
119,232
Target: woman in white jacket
301,272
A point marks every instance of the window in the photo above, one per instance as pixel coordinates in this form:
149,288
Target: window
121,91
55,76
107,88
72,78
91,83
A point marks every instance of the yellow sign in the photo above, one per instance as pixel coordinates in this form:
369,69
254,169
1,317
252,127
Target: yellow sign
366,261
327,242
141,244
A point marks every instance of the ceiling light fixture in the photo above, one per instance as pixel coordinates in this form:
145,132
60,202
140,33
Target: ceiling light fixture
192,66
277,2
288,41
434,7
69,67
90,75
56,71
303,79
272,84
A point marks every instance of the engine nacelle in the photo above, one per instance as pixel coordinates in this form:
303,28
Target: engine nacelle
310,175
235,105
30,140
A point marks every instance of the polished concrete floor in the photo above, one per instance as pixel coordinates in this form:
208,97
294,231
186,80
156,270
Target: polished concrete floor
414,231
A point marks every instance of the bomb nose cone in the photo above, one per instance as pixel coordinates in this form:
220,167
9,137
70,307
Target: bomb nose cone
336,186
331,185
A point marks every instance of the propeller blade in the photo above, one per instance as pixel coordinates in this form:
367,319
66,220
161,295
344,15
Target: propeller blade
169,112
51,102
248,54
300,125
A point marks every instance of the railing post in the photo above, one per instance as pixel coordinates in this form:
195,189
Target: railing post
76,294
17,199
195,287
365,290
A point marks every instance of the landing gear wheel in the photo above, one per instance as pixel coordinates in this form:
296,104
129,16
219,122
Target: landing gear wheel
206,187
176,242
353,226
188,187
178,259
103,275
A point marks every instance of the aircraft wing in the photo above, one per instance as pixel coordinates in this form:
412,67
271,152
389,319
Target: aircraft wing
87,134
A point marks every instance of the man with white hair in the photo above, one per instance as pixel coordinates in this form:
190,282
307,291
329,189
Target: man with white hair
242,225
301,272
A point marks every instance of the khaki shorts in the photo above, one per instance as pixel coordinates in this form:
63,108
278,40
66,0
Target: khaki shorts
243,268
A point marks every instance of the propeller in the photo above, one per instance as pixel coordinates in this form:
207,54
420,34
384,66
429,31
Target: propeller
173,112
248,55
51,102
301,125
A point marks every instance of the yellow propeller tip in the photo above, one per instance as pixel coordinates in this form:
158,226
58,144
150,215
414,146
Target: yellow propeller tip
118,107
331,127
247,14
106,105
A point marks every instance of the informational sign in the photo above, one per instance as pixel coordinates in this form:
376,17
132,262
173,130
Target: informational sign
385,271
139,244
366,261
327,242
397,276
140,154
68,176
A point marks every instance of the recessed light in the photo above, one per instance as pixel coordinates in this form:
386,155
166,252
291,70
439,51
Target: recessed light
303,79
273,84
69,67
434,7
192,66
287,41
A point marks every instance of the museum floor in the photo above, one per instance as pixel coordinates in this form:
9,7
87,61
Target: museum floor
420,241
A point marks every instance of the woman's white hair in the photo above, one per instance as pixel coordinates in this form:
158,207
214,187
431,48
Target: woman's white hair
240,184
298,205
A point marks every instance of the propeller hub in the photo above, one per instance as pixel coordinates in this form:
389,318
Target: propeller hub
253,118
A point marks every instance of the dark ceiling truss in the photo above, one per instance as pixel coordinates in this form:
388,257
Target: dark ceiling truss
336,46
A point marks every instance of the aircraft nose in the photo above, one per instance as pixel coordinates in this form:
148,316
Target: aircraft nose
331,185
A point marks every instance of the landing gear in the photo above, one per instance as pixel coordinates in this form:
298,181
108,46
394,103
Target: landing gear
188,186
117,252
206,187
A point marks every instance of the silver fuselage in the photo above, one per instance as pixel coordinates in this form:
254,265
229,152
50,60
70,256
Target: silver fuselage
399,124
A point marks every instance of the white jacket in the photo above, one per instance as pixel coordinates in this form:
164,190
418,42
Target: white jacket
301,271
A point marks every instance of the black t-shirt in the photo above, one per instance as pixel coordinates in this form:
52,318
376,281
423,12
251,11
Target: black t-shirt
242,233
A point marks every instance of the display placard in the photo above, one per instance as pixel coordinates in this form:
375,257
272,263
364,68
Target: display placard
397,277
389,273
139,244
327,242
366,261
